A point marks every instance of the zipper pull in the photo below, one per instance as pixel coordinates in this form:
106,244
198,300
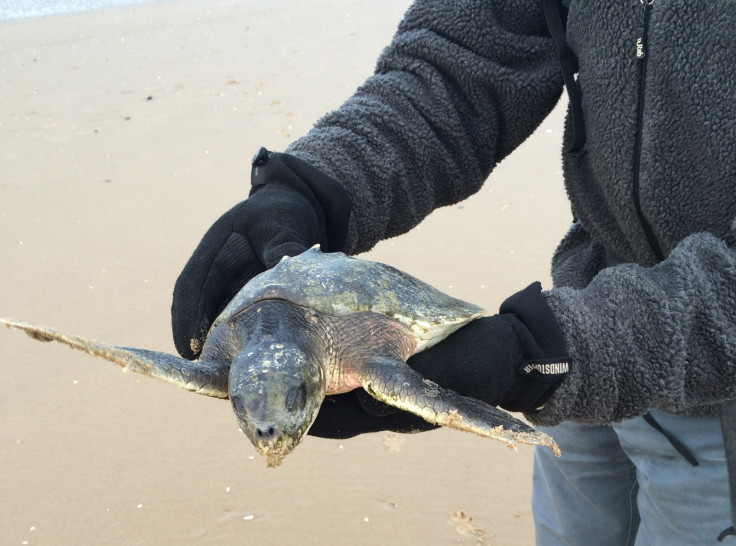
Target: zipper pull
641,30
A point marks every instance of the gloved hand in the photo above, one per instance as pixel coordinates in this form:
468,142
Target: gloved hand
292,206
515,359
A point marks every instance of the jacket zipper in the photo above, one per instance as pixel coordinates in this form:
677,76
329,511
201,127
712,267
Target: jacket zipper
641,56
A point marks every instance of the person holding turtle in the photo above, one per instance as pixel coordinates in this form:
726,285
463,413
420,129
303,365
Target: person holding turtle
629,361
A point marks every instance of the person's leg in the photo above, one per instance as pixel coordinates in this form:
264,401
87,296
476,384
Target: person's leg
678,503
586,496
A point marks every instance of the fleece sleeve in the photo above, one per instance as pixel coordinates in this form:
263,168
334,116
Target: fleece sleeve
461,85
661,337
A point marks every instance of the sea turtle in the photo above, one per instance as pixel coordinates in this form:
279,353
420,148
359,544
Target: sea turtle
316,324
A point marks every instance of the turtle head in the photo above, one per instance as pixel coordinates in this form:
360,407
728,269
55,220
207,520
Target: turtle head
276,390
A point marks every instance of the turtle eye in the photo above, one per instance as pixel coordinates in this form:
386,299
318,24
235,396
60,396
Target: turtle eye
238,403
296,398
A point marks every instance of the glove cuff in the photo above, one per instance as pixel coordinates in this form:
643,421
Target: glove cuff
547,362
326,195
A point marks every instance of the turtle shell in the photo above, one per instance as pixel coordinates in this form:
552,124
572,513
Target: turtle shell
337,284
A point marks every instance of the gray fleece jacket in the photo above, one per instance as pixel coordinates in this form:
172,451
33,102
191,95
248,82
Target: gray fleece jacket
463,83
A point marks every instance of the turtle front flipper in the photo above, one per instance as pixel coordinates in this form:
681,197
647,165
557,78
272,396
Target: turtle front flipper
208,378
394,382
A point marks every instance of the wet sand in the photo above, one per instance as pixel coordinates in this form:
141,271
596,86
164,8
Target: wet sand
123,135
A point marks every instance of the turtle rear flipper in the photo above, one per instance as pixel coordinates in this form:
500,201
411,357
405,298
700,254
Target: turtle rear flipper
202,377
394,382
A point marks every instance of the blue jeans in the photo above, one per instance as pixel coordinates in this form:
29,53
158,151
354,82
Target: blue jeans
626,484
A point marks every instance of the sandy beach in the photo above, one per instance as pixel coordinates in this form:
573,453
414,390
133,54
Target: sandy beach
124,134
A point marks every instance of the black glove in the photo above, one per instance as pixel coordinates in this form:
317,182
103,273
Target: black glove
292,206
515,360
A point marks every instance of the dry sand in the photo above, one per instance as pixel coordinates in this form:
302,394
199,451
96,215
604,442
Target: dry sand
124,134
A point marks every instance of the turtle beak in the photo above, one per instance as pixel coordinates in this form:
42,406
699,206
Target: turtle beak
270,437
276,437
